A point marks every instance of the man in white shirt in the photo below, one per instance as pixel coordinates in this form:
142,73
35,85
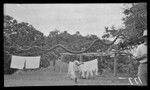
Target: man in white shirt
141,56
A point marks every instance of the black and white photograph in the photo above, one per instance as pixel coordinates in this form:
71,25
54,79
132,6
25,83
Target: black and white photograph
75,44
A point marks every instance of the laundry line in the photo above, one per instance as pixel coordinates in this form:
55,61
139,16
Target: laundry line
21,62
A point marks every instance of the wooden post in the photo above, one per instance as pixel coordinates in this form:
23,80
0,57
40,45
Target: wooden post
100,69
101,57
60,65
54,62
115,65
81,58
129,60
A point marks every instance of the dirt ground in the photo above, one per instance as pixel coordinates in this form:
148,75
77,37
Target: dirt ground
55,78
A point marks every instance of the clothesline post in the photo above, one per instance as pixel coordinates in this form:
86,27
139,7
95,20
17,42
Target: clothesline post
115,65
60,65
129,60
54,64
81,58
101,61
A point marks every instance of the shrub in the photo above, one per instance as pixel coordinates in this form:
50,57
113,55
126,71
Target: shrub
7,61
67,58
126,65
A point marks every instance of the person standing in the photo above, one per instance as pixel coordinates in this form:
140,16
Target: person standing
141,56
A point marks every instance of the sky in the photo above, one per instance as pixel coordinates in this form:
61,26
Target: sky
85,18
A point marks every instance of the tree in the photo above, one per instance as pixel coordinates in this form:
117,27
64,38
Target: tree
19,35
77,33
22,34
112,32
135,22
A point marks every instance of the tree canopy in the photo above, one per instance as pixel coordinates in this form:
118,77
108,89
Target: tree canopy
135,22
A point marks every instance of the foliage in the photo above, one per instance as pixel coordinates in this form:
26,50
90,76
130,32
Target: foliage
24,34
7,69
127,64
135,22
67,58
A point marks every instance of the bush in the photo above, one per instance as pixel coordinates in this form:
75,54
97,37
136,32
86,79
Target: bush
7,61
44,62
126,65
46,58
108,62
67,58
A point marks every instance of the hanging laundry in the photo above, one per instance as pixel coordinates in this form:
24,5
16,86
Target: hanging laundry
32,62
17,62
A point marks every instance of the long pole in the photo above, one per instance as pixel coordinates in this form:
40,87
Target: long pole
115,65
130,61
60,68
101,71
81,58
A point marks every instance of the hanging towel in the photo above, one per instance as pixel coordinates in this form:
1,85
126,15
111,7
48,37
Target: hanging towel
32,62
17,62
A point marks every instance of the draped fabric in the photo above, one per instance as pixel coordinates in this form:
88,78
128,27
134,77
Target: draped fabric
17,62
20,62
32,62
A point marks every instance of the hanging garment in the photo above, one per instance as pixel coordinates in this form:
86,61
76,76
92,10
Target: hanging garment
32,62
17,62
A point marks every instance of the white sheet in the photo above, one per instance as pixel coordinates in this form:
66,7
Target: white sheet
32,62
17,62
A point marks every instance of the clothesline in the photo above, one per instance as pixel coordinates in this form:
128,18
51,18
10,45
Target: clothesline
7,53
98,54
21,62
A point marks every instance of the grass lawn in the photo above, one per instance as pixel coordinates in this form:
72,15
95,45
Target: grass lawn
55,78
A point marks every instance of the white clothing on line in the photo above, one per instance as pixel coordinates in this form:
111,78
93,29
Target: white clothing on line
17,62
32,62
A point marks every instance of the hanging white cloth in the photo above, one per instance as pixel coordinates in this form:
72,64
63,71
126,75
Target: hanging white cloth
32,62
17,62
